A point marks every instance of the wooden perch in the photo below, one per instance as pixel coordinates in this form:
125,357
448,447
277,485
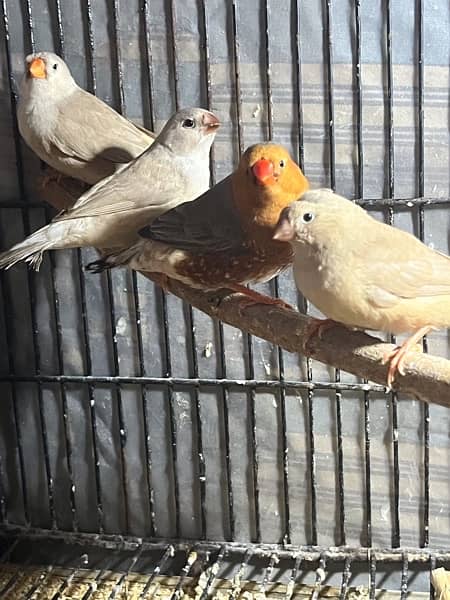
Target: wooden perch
426,377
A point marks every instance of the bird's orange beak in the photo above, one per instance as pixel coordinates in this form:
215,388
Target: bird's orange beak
263,171
284,231
37,68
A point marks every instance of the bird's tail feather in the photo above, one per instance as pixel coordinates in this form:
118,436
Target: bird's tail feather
52,236
114,259
30,250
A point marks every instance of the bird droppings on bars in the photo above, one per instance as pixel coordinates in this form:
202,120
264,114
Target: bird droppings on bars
121,326
207,350
256,111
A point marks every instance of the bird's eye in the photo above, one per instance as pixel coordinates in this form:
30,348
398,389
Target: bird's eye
282,163
55,66
308,217
189,123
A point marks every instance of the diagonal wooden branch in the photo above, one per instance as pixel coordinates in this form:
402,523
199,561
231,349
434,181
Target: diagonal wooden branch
426,377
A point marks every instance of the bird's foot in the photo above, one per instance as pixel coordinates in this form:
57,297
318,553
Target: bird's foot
317,327
251,298
396,357
51,176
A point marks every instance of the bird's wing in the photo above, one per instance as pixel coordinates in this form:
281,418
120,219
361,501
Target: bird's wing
146,183
111,137
207,224
403,268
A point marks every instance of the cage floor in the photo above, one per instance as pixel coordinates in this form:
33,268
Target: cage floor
53,583
43,564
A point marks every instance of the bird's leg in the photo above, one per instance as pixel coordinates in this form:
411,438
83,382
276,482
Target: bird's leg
396,357
317,327
252,297
50,175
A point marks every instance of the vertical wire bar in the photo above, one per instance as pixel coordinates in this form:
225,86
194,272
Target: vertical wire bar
312,465
7,301
391,166
60,30
86,333
368,481
404,579
254,439
188,307
304,307
267,574
168,553
191,559
281,392
172,416
269,95
346,574
120,410
359,106
149,463
212,575
94,584
330,93
299,84
58,595
11,583
59,333
34,325
236,587
372,576
237,76
30,279
34,589
421,191
222,359
340,463
320,577
360,194
35,330
293,576
332,158
248,337
117,589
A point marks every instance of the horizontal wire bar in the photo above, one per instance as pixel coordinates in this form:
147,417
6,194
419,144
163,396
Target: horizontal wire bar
262,550
196,382
368,203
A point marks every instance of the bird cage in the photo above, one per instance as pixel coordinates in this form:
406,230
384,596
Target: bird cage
147,450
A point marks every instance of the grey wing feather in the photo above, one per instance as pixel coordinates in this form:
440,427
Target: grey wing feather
138,186
112,137
207,224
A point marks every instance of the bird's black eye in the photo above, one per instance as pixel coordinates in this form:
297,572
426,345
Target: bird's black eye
308,217
55,66
189,123
282,163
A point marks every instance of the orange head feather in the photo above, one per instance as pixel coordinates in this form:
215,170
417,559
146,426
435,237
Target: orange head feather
266,181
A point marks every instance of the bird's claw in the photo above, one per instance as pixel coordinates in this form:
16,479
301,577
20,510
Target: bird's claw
246,302
51,177
316,327
396,359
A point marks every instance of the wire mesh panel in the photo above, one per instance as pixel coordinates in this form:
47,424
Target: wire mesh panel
125,411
